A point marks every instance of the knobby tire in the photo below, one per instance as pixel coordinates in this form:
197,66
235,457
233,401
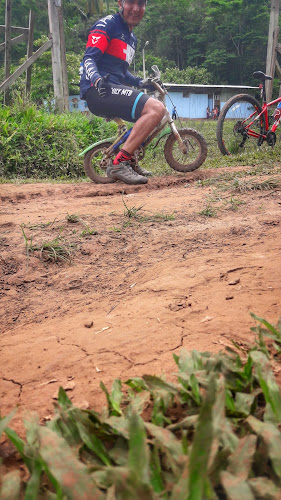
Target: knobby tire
94,165
195,156
228,139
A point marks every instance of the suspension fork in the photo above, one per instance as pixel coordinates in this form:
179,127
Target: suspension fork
174,129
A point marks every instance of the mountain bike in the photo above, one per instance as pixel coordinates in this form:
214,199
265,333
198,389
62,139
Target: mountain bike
245,125
185,149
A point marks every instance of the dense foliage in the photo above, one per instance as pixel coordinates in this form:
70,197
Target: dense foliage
225,40
212,434
39,144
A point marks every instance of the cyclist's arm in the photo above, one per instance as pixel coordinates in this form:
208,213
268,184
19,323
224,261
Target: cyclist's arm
132,80
98,41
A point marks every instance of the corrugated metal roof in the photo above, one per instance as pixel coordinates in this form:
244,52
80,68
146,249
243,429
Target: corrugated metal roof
199,86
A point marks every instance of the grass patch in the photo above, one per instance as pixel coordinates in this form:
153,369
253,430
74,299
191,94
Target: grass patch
212,434
58,247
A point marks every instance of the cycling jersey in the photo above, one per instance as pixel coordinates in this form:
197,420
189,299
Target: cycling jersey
110,49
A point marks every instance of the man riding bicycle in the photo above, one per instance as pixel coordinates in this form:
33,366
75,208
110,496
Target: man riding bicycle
106,85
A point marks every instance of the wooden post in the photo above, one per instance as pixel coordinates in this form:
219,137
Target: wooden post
8,45
272,45
58,54
29,52
63,62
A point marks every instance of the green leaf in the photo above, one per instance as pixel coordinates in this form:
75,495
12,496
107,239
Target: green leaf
119,426
158,386
20,445
180,489
189,363
268,384
262,487
116,396
33,485
243,403
63,399
166,441
208,427
240,462
138,449
10,489
235,488
195,388
5,420
155,471
68,471
270,327
114,400
137,384
271,437
138,402
94,444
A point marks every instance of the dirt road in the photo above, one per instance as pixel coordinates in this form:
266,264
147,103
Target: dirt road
183,271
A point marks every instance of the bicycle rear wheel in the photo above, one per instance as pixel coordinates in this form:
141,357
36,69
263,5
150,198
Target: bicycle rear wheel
95,164
232,133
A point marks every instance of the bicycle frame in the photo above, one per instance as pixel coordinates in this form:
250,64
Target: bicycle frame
264,114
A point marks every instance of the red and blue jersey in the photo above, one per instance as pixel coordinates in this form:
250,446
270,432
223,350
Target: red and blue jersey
110,49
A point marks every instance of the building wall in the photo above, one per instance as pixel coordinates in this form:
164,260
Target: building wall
188,104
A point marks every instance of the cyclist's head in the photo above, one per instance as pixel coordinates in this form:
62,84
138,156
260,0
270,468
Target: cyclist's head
125,5
132,11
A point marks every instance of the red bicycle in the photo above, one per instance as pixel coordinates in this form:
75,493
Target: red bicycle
245,125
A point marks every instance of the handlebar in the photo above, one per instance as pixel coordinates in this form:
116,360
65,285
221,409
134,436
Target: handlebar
155,80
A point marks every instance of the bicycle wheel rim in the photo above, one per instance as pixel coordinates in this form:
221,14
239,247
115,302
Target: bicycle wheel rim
235,134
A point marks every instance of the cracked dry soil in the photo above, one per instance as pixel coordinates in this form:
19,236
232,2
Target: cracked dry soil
135,291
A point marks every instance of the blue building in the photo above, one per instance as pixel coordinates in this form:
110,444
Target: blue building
191,100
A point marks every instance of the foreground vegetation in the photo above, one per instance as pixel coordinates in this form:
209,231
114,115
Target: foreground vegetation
37,144
213,434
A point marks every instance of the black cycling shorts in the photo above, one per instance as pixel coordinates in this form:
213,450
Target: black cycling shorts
123,102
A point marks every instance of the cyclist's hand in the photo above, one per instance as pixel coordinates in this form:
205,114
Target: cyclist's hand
146,84
102,86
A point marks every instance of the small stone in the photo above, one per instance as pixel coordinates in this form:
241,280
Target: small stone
89,324
234,282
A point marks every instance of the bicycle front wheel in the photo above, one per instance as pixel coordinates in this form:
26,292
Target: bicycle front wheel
196,150
95,163
234,135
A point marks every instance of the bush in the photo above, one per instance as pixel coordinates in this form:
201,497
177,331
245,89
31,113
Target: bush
39,144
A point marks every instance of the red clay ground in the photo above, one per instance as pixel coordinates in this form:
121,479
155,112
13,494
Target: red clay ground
134,293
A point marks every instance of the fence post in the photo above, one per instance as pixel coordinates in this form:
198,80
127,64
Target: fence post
273,33
58,55
8,45
29,51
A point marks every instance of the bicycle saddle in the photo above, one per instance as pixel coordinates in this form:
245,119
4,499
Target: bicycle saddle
261,76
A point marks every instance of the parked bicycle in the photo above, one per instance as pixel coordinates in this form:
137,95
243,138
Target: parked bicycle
185,149
245,125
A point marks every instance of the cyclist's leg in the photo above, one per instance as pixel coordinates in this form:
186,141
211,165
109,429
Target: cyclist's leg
152,113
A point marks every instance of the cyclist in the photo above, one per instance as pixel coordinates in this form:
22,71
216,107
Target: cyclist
106,85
